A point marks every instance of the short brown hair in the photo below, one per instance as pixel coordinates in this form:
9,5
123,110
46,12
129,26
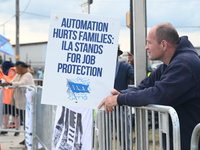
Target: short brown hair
166,31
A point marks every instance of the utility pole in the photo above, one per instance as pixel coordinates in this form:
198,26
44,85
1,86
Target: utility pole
139,30
86,6
131,28
17,31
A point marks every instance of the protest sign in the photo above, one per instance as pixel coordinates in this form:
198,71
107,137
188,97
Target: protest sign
81,59
73,129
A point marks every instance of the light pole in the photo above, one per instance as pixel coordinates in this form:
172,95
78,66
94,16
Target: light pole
131,28
86,6
17,31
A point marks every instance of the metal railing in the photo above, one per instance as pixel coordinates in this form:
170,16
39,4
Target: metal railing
12,119
43,122
159,117
195,138
14,110
127,128
38,82
116,131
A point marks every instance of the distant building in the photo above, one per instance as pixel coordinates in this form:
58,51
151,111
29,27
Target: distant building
34,54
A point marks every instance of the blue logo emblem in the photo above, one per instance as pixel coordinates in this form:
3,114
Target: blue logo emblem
78,89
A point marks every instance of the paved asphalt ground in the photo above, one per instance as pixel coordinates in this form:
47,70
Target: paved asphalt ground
11,142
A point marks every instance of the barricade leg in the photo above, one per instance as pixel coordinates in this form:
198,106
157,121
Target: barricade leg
195,138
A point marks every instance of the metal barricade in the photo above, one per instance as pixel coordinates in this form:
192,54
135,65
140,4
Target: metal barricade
113,130
13,118
195,138
38,82
146,128
43,119
120,130
153,128
116,131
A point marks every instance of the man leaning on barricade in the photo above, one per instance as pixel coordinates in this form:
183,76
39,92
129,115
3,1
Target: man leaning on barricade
175,83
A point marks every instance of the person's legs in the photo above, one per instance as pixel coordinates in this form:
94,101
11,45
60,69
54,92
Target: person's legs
5,123
17,121
5,118
22,116
12,112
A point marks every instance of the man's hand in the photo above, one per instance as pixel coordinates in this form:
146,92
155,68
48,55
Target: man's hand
110,101
115,92
131,59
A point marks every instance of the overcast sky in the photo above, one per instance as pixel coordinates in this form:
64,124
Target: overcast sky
35,16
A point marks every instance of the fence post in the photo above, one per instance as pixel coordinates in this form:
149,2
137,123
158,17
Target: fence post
140,125
34,142
195,138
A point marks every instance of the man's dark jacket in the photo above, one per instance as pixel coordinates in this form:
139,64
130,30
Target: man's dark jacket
176,85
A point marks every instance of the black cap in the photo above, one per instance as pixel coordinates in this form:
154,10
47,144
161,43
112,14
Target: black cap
21,63
119,51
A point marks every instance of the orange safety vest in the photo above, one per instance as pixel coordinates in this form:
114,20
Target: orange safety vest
8,93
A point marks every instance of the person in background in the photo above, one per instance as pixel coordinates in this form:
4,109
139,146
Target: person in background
123,75
24,77
40,76
149,70
175,83
31,69
6,65
130,58
131,62
10,73
1,60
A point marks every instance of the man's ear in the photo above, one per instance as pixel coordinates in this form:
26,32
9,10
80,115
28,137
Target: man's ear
164,45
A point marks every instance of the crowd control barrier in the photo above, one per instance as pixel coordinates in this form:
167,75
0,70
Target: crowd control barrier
195,138
143,129
43,119
127,128
157,135
113,130
11,119
38,82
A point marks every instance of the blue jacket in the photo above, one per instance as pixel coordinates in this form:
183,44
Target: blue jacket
124,73
6,65
176,85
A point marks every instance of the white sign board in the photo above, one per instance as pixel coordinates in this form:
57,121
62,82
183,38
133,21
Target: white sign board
81,59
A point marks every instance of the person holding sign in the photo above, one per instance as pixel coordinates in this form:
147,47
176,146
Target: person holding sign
124,74
175,83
